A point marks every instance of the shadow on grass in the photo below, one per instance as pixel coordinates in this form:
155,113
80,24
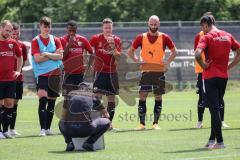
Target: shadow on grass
130,130
187,129
230,129
191,150
72,152
37,136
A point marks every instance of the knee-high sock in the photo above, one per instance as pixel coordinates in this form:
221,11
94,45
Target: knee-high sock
200,112
111,110
157,111
142,110
50,112
14,117
42,113
201,107
7,118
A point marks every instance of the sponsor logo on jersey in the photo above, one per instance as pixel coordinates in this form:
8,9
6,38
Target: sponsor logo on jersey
76,50
6,54
222,38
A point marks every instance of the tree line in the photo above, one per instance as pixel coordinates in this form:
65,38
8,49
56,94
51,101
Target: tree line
28,11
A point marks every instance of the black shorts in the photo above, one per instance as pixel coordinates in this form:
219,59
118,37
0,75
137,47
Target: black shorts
214,90
50,84
7,90
19,90
73,79
106,83
153,82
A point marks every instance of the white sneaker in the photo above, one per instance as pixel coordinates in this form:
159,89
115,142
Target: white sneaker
217,146
42,133
209,143
156,127
7,135
49,132
199,125
2,136
224,125
13,132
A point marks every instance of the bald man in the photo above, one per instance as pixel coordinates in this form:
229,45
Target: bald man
153,66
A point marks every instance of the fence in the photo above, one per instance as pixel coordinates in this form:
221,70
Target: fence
182,33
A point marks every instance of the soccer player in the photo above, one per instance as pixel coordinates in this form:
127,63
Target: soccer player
9,54
19,80
107,48
198,71
216,45
153,44
47,54
74,46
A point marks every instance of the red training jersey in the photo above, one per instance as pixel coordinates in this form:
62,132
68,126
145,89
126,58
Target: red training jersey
217,45
9,49
73,61
104,61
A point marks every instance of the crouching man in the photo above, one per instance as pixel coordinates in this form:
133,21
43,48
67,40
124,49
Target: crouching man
76,120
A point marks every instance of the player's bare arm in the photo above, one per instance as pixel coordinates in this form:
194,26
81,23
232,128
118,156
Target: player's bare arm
69,45
171,57
131,54
58,55
19,66
199,59
235,60
40,58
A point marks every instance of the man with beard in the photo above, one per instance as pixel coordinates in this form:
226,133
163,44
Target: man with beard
153,44
74,46
9,52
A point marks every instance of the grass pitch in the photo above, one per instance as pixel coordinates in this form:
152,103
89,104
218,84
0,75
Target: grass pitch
177,140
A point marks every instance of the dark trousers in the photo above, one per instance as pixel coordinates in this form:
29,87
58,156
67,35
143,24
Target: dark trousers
93,129
202,102
214,90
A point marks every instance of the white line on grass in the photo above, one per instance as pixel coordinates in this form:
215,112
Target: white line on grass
212,157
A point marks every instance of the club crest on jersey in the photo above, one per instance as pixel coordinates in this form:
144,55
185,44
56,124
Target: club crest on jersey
10,46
